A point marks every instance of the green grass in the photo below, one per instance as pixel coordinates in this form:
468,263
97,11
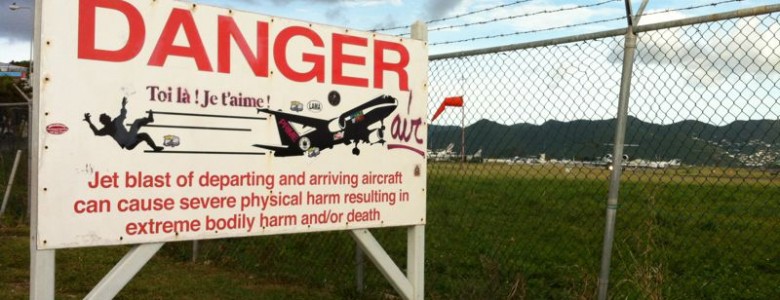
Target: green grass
78,270
711,235
494,231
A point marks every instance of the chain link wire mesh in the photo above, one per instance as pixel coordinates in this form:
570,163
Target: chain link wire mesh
698,215
706,95
13,139
524,218
517,210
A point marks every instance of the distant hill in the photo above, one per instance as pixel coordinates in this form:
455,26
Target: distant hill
755,142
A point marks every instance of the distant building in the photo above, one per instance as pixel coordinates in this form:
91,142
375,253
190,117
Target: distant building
9,70
4,67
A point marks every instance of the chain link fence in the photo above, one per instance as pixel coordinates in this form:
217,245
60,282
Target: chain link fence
14,126
517,196
527,213
707,95
699,186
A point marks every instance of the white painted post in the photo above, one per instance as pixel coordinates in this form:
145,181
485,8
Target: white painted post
41,261
383,262
41,272
124,271
415,238
420,31
415,260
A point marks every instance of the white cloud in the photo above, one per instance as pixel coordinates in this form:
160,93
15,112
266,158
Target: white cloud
555,17
653,17
14,49
716,73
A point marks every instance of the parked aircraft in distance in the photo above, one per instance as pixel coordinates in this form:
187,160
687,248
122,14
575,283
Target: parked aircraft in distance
604,161
475,158
314,135
608,158
443,154
641,163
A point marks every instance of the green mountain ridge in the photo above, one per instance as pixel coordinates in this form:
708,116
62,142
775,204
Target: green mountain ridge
753,142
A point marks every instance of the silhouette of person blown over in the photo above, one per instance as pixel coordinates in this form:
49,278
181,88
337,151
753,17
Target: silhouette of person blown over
117,130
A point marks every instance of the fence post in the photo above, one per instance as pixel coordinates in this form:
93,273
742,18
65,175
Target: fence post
195,250
617,153
10,182
359,269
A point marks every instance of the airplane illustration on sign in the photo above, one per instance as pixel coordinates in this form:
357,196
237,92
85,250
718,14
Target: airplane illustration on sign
306,135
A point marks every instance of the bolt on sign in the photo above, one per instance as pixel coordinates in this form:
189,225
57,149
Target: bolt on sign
167,121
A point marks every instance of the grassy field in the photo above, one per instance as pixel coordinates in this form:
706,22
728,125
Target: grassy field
78,270
494,231
682,233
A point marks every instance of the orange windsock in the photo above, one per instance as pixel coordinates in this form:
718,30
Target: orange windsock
449,101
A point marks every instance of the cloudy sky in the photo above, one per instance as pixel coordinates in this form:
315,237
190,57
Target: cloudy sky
515,17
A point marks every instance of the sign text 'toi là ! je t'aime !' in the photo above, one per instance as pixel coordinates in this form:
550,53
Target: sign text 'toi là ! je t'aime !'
181,21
